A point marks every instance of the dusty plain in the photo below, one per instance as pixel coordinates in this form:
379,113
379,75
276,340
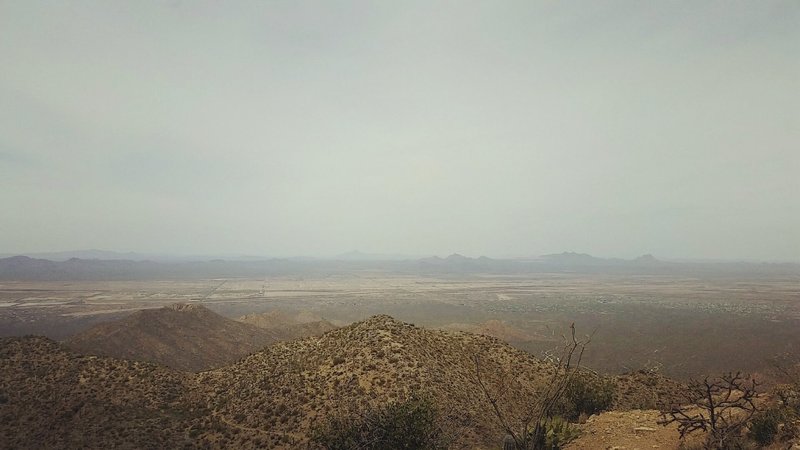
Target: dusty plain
681,326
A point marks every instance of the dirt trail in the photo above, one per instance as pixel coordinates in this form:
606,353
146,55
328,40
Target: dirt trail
625,430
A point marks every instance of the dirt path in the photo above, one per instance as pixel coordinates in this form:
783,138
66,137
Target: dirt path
625,430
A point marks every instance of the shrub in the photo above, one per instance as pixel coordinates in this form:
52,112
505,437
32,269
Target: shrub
556,432
587,393
408,424
527,430
789,396
764,426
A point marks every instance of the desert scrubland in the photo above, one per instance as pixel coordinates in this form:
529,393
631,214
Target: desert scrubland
681,325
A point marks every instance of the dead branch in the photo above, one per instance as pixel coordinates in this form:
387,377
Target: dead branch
720,406
527,430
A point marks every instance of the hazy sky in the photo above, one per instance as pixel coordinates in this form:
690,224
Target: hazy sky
497,128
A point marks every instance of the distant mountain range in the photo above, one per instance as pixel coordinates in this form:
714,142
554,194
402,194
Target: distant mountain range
131,256
356,255
33,269
579,259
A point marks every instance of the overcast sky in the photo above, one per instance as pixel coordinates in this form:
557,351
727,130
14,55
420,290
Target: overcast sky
314,128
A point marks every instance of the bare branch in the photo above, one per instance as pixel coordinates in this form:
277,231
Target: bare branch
527,429
725,405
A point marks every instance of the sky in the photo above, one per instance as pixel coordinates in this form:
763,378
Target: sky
616,128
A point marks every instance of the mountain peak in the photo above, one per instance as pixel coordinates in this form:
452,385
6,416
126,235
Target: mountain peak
648,258
382,320
186,307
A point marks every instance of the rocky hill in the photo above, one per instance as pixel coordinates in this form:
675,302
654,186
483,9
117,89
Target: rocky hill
289,326
296,384
51,397
183,336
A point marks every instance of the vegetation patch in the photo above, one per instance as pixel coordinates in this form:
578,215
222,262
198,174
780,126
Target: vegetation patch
412,423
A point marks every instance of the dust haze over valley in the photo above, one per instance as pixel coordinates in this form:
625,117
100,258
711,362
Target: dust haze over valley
225,225
640,310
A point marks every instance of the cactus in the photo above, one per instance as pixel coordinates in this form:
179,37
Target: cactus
558,432
555,433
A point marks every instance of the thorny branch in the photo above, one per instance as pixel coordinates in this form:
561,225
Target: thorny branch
526,432
720,406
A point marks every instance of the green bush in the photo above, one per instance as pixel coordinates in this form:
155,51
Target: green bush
556,433
764,425
588,393
409,424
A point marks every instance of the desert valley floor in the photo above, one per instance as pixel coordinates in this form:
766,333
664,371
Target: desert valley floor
670,323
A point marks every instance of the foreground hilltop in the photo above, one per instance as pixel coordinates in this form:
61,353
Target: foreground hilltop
182,336
51,397
295,384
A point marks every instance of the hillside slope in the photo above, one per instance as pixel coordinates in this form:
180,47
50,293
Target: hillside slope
296,384
182,336
289,326
496,328
52,398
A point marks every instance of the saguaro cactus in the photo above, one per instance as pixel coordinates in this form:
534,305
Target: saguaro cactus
508,443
